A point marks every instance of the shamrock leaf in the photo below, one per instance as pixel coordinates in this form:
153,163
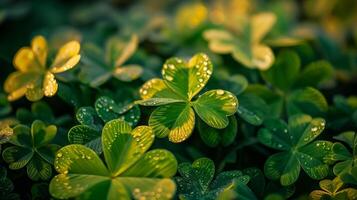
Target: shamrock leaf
346,159
306,100
175,116
34,78
196,180
245,43
32,149
299,150
286,73
92,120
99,67
130,171
332,189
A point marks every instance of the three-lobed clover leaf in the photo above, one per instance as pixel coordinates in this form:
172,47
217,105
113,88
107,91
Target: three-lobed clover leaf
287,74
32,148
346,159
33,77
296,140
92,120
182,81
333,189
100,66
130,171
245,42
196,180
293,89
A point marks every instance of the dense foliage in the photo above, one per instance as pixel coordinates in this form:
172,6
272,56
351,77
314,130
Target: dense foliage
226,99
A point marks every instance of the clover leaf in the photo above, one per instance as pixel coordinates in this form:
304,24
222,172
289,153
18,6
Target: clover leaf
130,171
346,159
175,116
296,141
245,43
99,67
286,73
33,77
32,148
332,189
196,180
92,120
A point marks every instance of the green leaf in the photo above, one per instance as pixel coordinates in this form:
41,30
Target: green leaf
47,152
314,73
275,101
38,169
157,163
42,134
149,188
311,159
196,180
17,157
122,146
308,100
86,135
235,84
201,173
42,111
252,109
213,137
156,88
240,191
158,101
303,129
106,108
79,160
284,71
64,186
275,135
88,116
21,136
299,149
187,79
215,106
173,120
284,166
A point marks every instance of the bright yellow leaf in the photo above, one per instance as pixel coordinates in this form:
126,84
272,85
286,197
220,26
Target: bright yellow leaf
39,48
66,58
50,85
25,60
